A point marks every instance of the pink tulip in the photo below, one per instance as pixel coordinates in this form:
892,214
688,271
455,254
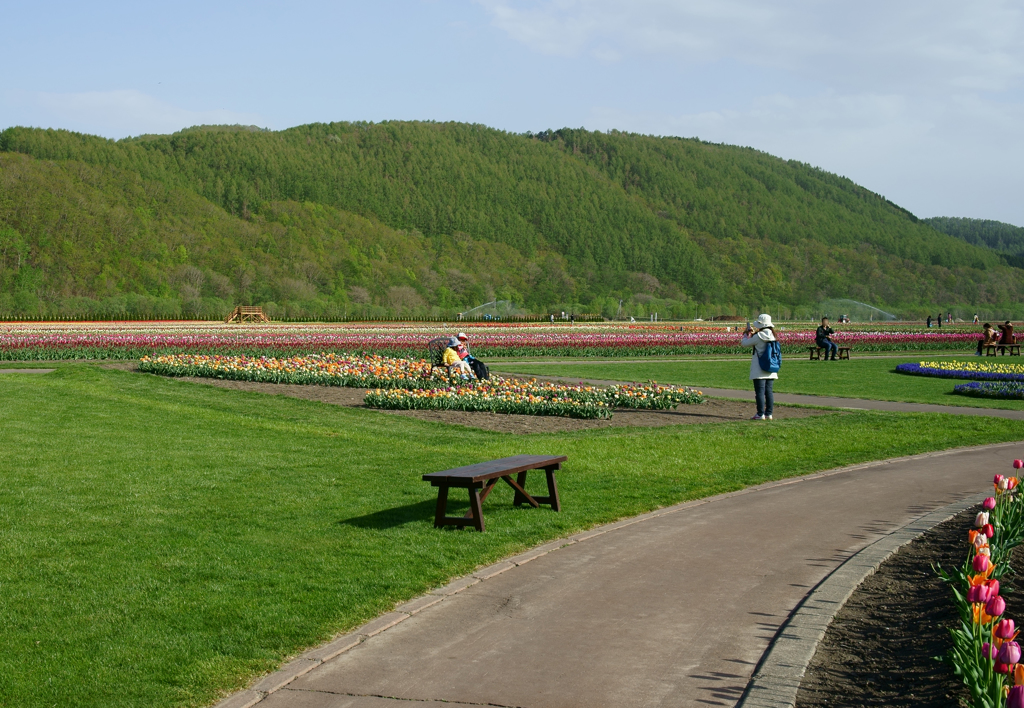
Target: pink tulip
989,503
1005,629
980,564
981,519
1016,697
988,530
995,607
988,651
972,594
1009,653
993,586
1017,464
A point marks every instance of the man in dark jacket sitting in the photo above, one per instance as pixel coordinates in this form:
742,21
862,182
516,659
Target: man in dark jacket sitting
821,339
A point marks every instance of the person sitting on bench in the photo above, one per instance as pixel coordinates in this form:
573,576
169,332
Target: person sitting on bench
1007,333
479,368
990,337
822,341
451,359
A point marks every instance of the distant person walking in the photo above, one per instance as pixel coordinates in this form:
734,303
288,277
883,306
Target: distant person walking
928,322
761,336
822,339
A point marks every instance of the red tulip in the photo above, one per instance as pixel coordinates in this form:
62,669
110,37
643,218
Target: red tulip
1016,697
995,607
1001,668
1009,653
1005,629
989,503
980,564
988,530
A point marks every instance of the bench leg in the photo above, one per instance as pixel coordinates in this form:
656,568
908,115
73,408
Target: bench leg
476,509
553,490
521,494
518,499
442,507
551,498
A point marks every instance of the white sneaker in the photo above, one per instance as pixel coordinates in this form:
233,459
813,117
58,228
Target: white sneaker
768,417
758,417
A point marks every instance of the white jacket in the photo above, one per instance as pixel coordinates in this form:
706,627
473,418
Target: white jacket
759,341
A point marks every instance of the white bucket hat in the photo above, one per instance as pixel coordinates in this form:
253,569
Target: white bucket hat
764,322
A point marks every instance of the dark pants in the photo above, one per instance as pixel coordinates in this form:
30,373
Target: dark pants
480,369
763,396
830,347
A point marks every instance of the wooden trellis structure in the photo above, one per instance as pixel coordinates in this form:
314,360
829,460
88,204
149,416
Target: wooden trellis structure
243,313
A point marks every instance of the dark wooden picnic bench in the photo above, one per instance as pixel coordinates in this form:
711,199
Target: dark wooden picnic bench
1003,349
844,352
479,480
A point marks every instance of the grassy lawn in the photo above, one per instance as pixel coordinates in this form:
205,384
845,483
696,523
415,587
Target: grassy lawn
858,378
162,542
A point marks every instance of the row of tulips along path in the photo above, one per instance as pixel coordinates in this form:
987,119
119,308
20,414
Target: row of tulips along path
414,384
984,652
133,342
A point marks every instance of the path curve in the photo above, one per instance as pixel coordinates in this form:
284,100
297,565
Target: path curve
675,607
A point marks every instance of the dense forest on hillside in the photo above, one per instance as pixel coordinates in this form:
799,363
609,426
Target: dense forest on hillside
1007,239
433,218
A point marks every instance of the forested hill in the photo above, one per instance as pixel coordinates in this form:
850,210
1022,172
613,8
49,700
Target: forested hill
413,216
999,236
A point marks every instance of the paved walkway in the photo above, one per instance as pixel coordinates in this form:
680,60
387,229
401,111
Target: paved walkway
672,608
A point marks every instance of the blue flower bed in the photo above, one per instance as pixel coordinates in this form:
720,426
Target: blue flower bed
1001,389
915,369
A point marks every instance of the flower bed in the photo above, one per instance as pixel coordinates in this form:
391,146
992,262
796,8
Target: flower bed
410,383
132,341
533,398
975,370
991,389
985,654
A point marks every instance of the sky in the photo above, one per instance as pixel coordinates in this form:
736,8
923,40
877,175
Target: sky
921,101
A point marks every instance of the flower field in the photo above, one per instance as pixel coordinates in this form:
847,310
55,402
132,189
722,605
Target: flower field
985,653
135,340
974,370
410,384
991,389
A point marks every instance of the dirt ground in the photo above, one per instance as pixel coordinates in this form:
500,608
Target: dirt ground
880,648
711,411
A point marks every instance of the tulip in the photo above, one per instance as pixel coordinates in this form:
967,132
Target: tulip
993,585
981,519
997,479
988,651
1015,699
1017,464
988,530
1009,653
995,607
989,503
972,594
1001,668
1011,482
1005,629
980,564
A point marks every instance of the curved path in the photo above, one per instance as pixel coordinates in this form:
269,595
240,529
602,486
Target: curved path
672,608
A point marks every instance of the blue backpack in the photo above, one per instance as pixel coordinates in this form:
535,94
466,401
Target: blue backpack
770,359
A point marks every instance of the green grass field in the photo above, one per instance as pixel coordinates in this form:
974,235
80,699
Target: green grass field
873,379
163,542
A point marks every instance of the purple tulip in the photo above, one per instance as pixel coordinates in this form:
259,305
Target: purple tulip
1005,629
995,607
989,503
1009,653
980,564
1016,697
988,651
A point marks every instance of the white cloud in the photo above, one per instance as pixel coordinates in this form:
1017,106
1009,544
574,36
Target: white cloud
127,112
875,43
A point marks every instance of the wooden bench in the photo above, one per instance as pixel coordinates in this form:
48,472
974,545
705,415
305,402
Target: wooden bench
480,479
844,353
990,349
